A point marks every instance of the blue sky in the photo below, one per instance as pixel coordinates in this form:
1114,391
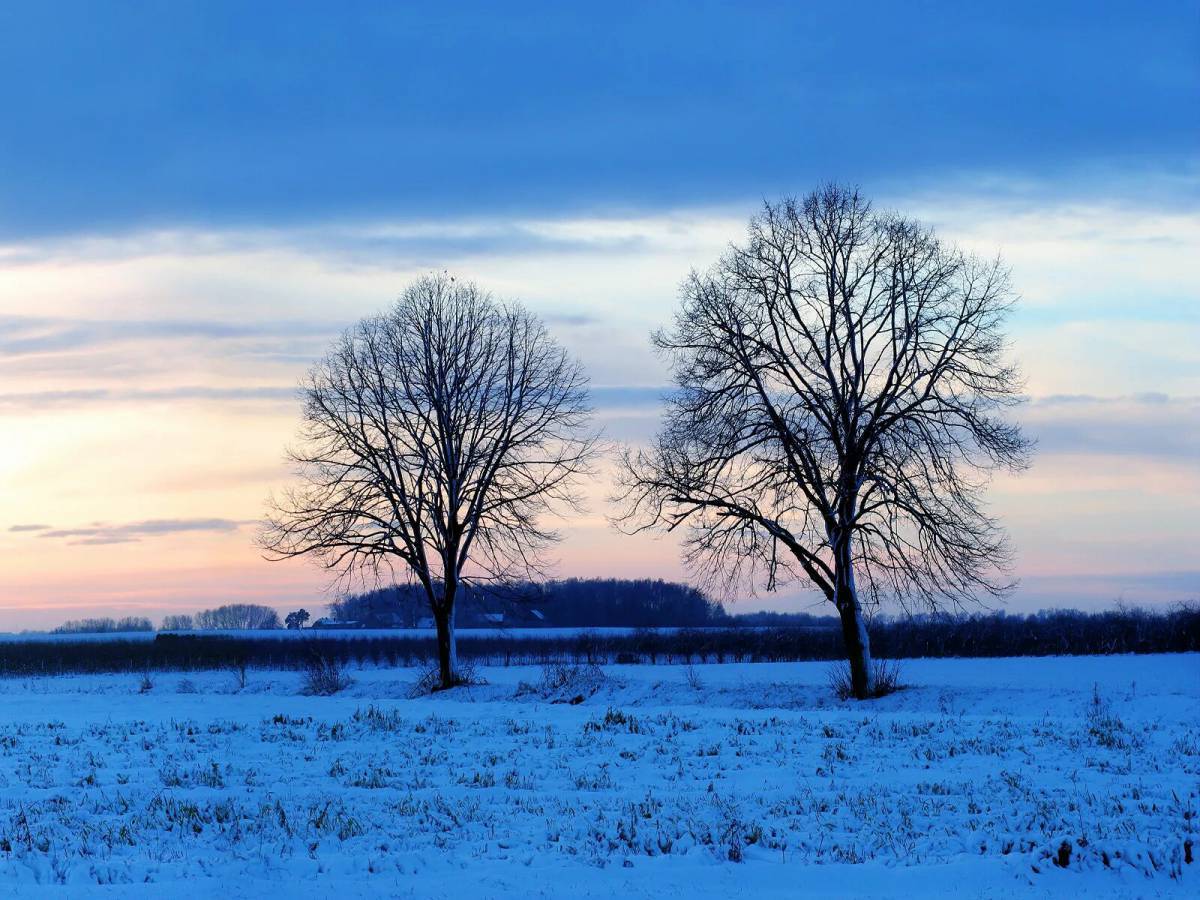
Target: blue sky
195,197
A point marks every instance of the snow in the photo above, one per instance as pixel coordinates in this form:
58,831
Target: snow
967,783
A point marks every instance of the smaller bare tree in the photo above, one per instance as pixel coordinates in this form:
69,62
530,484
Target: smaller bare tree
437,438
841,389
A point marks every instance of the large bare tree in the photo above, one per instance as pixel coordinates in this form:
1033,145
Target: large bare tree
437,438
841,384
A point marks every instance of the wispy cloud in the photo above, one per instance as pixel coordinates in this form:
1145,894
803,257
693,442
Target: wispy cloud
20,528
131,532
1150,397
1098,589
571,319
41,400
30,334
605,398
1148,425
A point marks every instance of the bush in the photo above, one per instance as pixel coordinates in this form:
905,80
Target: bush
570,683
324,676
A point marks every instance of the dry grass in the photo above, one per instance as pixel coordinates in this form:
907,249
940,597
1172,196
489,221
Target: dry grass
886,679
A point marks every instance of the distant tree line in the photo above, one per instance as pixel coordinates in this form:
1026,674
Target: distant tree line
1055,633
578,602
231,617
104,625
765,619
570,603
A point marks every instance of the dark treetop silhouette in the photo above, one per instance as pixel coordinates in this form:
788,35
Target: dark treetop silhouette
437,437
840,389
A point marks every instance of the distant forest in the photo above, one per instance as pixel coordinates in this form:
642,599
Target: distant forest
622,603
572,603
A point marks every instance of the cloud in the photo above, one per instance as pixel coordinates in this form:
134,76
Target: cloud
605,398
424,245
1151,425
34,401
513,112
618,396
1149,398
571,319
1100,590
132,532
398,242
21,335
20,528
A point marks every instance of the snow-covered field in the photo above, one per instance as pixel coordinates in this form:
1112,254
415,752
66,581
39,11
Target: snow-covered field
998,777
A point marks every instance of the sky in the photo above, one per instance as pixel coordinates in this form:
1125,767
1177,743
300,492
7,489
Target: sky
196,197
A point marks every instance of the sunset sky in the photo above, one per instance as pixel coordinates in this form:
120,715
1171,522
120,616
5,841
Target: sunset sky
195,198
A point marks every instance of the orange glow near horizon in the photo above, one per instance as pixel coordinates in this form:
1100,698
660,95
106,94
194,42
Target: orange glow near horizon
147,395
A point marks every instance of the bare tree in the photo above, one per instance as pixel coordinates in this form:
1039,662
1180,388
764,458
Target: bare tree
235,617
841,383
437,436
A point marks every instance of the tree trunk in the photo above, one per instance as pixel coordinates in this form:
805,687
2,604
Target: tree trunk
858,650
854,626
447,648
